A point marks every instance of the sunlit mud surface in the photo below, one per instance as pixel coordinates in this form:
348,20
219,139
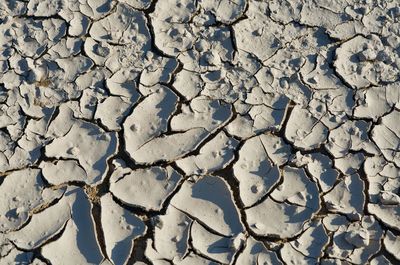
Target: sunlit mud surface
196,132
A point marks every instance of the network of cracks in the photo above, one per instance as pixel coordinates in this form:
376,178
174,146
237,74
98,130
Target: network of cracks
199,132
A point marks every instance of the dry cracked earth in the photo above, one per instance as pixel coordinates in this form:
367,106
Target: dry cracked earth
195,132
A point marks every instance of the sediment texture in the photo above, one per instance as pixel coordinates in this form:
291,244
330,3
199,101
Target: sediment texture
199,132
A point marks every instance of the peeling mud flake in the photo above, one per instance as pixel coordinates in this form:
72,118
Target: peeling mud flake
384,201
172,33
202,112
120,228
193,259
254,171
147,188
123,83
149,119
20,192
292,257
387,136
209,200
171,234
351,136
360,62
61,171
357,242
137,4
379,260
17,257
297,195
79,234
347,197
258,34
112,111
256,253
170,147
188,83
387,212
209,159
312,242
225,11
377,101
297,189
43,8
305,131
350,163
86,143
392,244
158,73
213,246
42,227
122,27
320,167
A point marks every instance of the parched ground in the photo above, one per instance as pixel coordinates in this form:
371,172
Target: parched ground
196,132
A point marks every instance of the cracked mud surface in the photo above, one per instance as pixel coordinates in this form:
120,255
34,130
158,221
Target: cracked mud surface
199,132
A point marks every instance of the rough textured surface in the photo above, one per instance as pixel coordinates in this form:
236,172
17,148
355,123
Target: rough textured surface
199,132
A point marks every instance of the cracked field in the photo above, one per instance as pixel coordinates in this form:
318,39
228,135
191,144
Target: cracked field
195,132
